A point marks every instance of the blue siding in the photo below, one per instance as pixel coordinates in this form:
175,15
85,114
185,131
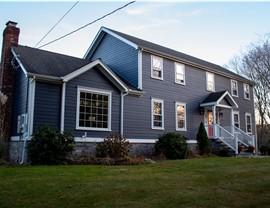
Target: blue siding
19,99
120,57
137,117
47,104
92,79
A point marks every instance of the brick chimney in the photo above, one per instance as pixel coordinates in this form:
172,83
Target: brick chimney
7,73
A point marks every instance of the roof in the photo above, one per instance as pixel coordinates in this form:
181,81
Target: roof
155,48
215,98
48,63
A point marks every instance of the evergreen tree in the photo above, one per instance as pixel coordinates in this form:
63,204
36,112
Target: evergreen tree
203,141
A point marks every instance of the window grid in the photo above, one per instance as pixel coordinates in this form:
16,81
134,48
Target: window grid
179,73
248,123
157,67
234,88
180,116
210,79
157,114
236,119
246,92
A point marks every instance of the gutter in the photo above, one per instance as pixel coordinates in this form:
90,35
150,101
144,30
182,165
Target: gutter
122,113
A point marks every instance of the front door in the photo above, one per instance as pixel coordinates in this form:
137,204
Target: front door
209,123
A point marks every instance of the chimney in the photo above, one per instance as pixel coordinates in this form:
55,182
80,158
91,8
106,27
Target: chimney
7,73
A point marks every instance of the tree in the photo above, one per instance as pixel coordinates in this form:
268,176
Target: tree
254,64
203,141
3,141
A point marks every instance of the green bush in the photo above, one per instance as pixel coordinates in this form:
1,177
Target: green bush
49,146
203,141
172,146
265,149
113,146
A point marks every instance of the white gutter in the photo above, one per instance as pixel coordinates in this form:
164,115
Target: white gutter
122,113
63,101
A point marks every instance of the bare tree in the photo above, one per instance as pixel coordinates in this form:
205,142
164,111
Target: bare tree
254,64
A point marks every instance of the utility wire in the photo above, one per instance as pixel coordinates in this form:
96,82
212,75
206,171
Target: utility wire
90,23
57,23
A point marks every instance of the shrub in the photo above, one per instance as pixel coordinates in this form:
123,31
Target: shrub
172,146
203,141
113,146
48,146
265,149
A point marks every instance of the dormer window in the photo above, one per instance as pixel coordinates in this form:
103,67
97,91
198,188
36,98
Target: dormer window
246,92
157,67
179,73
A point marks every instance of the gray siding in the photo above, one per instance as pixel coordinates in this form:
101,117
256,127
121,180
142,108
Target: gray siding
19,99
120,57
47,105
137,120
92,79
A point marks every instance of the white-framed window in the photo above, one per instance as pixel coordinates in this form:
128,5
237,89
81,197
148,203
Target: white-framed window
248,123
156,67
157,108
93,109
246,91
210,81
179,73
234,88
236,119
180,114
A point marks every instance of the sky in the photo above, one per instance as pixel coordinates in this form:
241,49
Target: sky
214,30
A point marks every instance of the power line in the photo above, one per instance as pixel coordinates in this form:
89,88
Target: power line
57,23
90,23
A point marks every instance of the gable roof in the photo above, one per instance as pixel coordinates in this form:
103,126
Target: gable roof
215,99
138,43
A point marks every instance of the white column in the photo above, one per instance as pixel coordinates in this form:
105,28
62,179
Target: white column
214,120
63,102
232,122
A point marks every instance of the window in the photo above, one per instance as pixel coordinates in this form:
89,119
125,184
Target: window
157,114
246,92
210,81
93,110
180,109
234,88
248,123
179,73
157,67
236,119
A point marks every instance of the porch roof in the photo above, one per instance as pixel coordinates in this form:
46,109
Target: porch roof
219,99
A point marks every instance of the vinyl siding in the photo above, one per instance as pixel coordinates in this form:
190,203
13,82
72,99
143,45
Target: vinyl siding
137,117
91,79
120,57
47,104
19,99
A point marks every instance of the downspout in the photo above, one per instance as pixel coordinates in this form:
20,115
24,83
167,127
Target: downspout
63,101
122,112
27,107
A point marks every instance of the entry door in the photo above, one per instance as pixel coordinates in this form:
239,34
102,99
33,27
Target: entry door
210,122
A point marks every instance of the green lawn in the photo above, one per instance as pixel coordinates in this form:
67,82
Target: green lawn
208,182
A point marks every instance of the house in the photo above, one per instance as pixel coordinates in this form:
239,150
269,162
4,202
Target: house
123,84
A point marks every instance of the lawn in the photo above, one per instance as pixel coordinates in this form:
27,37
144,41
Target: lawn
207,182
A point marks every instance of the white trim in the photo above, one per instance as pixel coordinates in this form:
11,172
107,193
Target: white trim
122,113
175,73
176,116
232,80
132,141
248,114
152,113
140,69
231,98
101,34
32,106
161,60
244,84
208,73
92,90
63,102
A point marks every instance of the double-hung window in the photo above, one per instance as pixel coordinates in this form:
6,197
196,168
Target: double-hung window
248,123
93,109
157,107
246,91
234,88
179,73
156,67
210,81
180,113
236,119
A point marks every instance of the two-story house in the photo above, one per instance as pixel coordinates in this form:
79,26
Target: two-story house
128,85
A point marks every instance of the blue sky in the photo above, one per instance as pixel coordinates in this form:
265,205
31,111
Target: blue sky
213,31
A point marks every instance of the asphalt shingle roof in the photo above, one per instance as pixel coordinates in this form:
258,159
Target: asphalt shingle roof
213,97
48,63
175,54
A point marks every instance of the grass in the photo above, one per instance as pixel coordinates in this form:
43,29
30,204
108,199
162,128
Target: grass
207,182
